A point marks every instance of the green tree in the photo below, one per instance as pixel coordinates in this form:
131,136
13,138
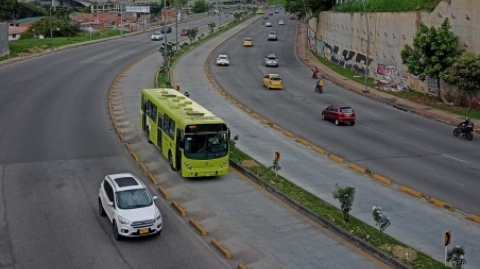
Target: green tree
237,15
27,10
346,196
6,7
192,32
60,28
211,27
464,74
433,52
199,7
313,6
456,256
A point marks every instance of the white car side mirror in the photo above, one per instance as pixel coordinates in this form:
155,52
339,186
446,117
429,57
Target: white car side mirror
155,197
110,204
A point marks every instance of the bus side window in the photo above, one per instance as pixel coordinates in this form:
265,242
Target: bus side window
171,129
160,121
165,123
154,113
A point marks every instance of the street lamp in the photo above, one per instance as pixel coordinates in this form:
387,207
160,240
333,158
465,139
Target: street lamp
165,34
176,25
368,48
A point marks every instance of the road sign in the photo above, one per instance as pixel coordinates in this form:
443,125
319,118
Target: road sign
90,29
277,156
448,238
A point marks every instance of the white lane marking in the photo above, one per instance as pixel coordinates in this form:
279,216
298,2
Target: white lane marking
448,179
454,158
418,129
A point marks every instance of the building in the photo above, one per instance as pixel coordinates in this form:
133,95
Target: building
26,22
14,32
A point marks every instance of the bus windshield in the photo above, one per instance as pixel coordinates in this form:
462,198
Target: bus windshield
206,146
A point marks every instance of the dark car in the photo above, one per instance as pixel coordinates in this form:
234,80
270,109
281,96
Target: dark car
167,29
292,17
339,114
265,17
270,14
183,32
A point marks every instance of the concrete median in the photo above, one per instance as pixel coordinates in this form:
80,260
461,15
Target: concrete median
222,249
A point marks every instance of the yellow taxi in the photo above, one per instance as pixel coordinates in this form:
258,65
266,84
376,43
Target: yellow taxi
273,81
248,42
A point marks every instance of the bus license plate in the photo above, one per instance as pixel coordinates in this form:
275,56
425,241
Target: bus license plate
143,231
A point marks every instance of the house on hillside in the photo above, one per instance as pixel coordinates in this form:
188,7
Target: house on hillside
25,22
14,32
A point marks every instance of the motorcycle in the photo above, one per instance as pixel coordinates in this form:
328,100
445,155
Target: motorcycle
319,89
465,131
315,74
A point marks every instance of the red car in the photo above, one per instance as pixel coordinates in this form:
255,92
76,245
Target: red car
270,14
183,32
292,17
339,114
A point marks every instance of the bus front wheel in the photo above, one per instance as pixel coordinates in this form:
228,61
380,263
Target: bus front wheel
170,159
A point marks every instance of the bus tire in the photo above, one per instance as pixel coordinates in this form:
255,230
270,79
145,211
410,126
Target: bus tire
170,160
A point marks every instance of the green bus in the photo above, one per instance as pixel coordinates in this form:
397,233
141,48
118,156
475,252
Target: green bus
194,140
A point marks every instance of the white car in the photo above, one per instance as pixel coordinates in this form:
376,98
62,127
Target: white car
272,35
268,24
222,59
129,206
157,36
281,22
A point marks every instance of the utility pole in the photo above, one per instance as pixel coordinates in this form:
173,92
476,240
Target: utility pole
165,58
368,49
176,25
220,11
51,30
308,26
121,18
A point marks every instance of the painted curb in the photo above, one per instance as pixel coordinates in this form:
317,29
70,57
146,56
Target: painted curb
441,204
241,266
410,191
164,193
179,209
153,179
373,251
220,248
198,227
382,179
474,218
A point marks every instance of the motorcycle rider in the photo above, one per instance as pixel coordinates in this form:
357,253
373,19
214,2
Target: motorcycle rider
315,72
467,125
320,85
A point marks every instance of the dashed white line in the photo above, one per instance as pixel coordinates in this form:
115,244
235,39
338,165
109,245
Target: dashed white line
448,179
454,158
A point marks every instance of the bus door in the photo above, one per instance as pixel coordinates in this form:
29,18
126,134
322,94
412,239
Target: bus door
178,149
159,130
144,114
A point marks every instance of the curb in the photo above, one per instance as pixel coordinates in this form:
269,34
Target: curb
164,193
179,209
222,249
198,227
76,45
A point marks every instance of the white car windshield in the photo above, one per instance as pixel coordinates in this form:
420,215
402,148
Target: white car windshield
133,199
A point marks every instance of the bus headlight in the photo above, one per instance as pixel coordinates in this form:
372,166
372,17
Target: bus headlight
222,165
188,166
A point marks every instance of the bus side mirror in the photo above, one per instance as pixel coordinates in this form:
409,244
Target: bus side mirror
186,94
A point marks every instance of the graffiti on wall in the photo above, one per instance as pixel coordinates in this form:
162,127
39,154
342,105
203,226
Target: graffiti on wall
327,51
320,46
432,85
389,72
360,65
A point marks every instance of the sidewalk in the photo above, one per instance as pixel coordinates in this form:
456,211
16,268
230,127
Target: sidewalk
414,222
378,95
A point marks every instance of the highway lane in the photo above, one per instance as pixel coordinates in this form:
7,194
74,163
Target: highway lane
56,145
410,149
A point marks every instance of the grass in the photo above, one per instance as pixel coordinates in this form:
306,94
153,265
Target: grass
326,210
162,83
345,72
29,46
389,6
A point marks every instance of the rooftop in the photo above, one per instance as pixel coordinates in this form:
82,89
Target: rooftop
16,30
27,20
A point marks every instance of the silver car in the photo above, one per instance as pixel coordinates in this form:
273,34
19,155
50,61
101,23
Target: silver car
281,22
157,36
272,35
271,60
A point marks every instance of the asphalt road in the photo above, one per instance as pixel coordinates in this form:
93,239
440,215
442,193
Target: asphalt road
410,149
56,145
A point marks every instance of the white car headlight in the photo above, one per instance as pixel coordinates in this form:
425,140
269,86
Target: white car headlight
123,220
157,215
